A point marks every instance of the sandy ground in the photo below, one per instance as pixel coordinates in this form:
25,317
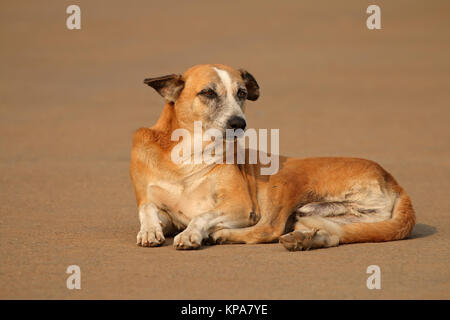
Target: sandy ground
71,100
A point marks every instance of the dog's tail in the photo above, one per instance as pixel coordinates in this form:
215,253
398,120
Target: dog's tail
399,226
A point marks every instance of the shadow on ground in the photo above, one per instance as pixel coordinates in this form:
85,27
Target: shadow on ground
422,230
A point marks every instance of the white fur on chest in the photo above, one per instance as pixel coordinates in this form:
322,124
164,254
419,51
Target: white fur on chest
184,199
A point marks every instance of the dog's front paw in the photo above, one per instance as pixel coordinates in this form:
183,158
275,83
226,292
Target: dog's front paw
150,237
188,239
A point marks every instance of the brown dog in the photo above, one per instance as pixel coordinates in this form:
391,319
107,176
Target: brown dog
308,203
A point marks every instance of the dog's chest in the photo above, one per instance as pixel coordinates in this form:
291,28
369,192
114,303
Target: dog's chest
183,200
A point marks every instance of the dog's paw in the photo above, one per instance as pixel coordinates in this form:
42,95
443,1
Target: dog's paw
150,238
188,239
298,240
218,237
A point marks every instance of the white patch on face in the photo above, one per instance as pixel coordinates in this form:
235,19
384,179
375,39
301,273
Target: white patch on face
231,107
226,80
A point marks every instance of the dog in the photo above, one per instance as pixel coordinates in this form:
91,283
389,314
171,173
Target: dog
308,204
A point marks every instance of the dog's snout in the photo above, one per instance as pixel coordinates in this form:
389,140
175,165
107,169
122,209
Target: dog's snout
236,123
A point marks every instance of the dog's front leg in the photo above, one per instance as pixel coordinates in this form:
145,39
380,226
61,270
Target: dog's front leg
200,228
151,232
196,231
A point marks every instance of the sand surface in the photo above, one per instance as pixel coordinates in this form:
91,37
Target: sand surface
71,100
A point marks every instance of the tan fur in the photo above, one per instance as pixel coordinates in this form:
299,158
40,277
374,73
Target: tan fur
231,203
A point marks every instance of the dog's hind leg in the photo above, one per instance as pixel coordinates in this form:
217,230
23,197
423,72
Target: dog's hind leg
249,235
327,209
312,233
265,231
313,230
393,221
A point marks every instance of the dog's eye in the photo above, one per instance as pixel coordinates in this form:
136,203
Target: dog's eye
242,94
210,93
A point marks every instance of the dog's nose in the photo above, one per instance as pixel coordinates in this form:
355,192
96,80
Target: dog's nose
236,123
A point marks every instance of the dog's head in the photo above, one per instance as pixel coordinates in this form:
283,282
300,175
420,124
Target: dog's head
213,94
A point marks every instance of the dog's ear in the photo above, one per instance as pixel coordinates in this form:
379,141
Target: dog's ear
250,84
169,87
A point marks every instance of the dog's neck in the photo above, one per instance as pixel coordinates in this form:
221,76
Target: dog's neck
161,134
